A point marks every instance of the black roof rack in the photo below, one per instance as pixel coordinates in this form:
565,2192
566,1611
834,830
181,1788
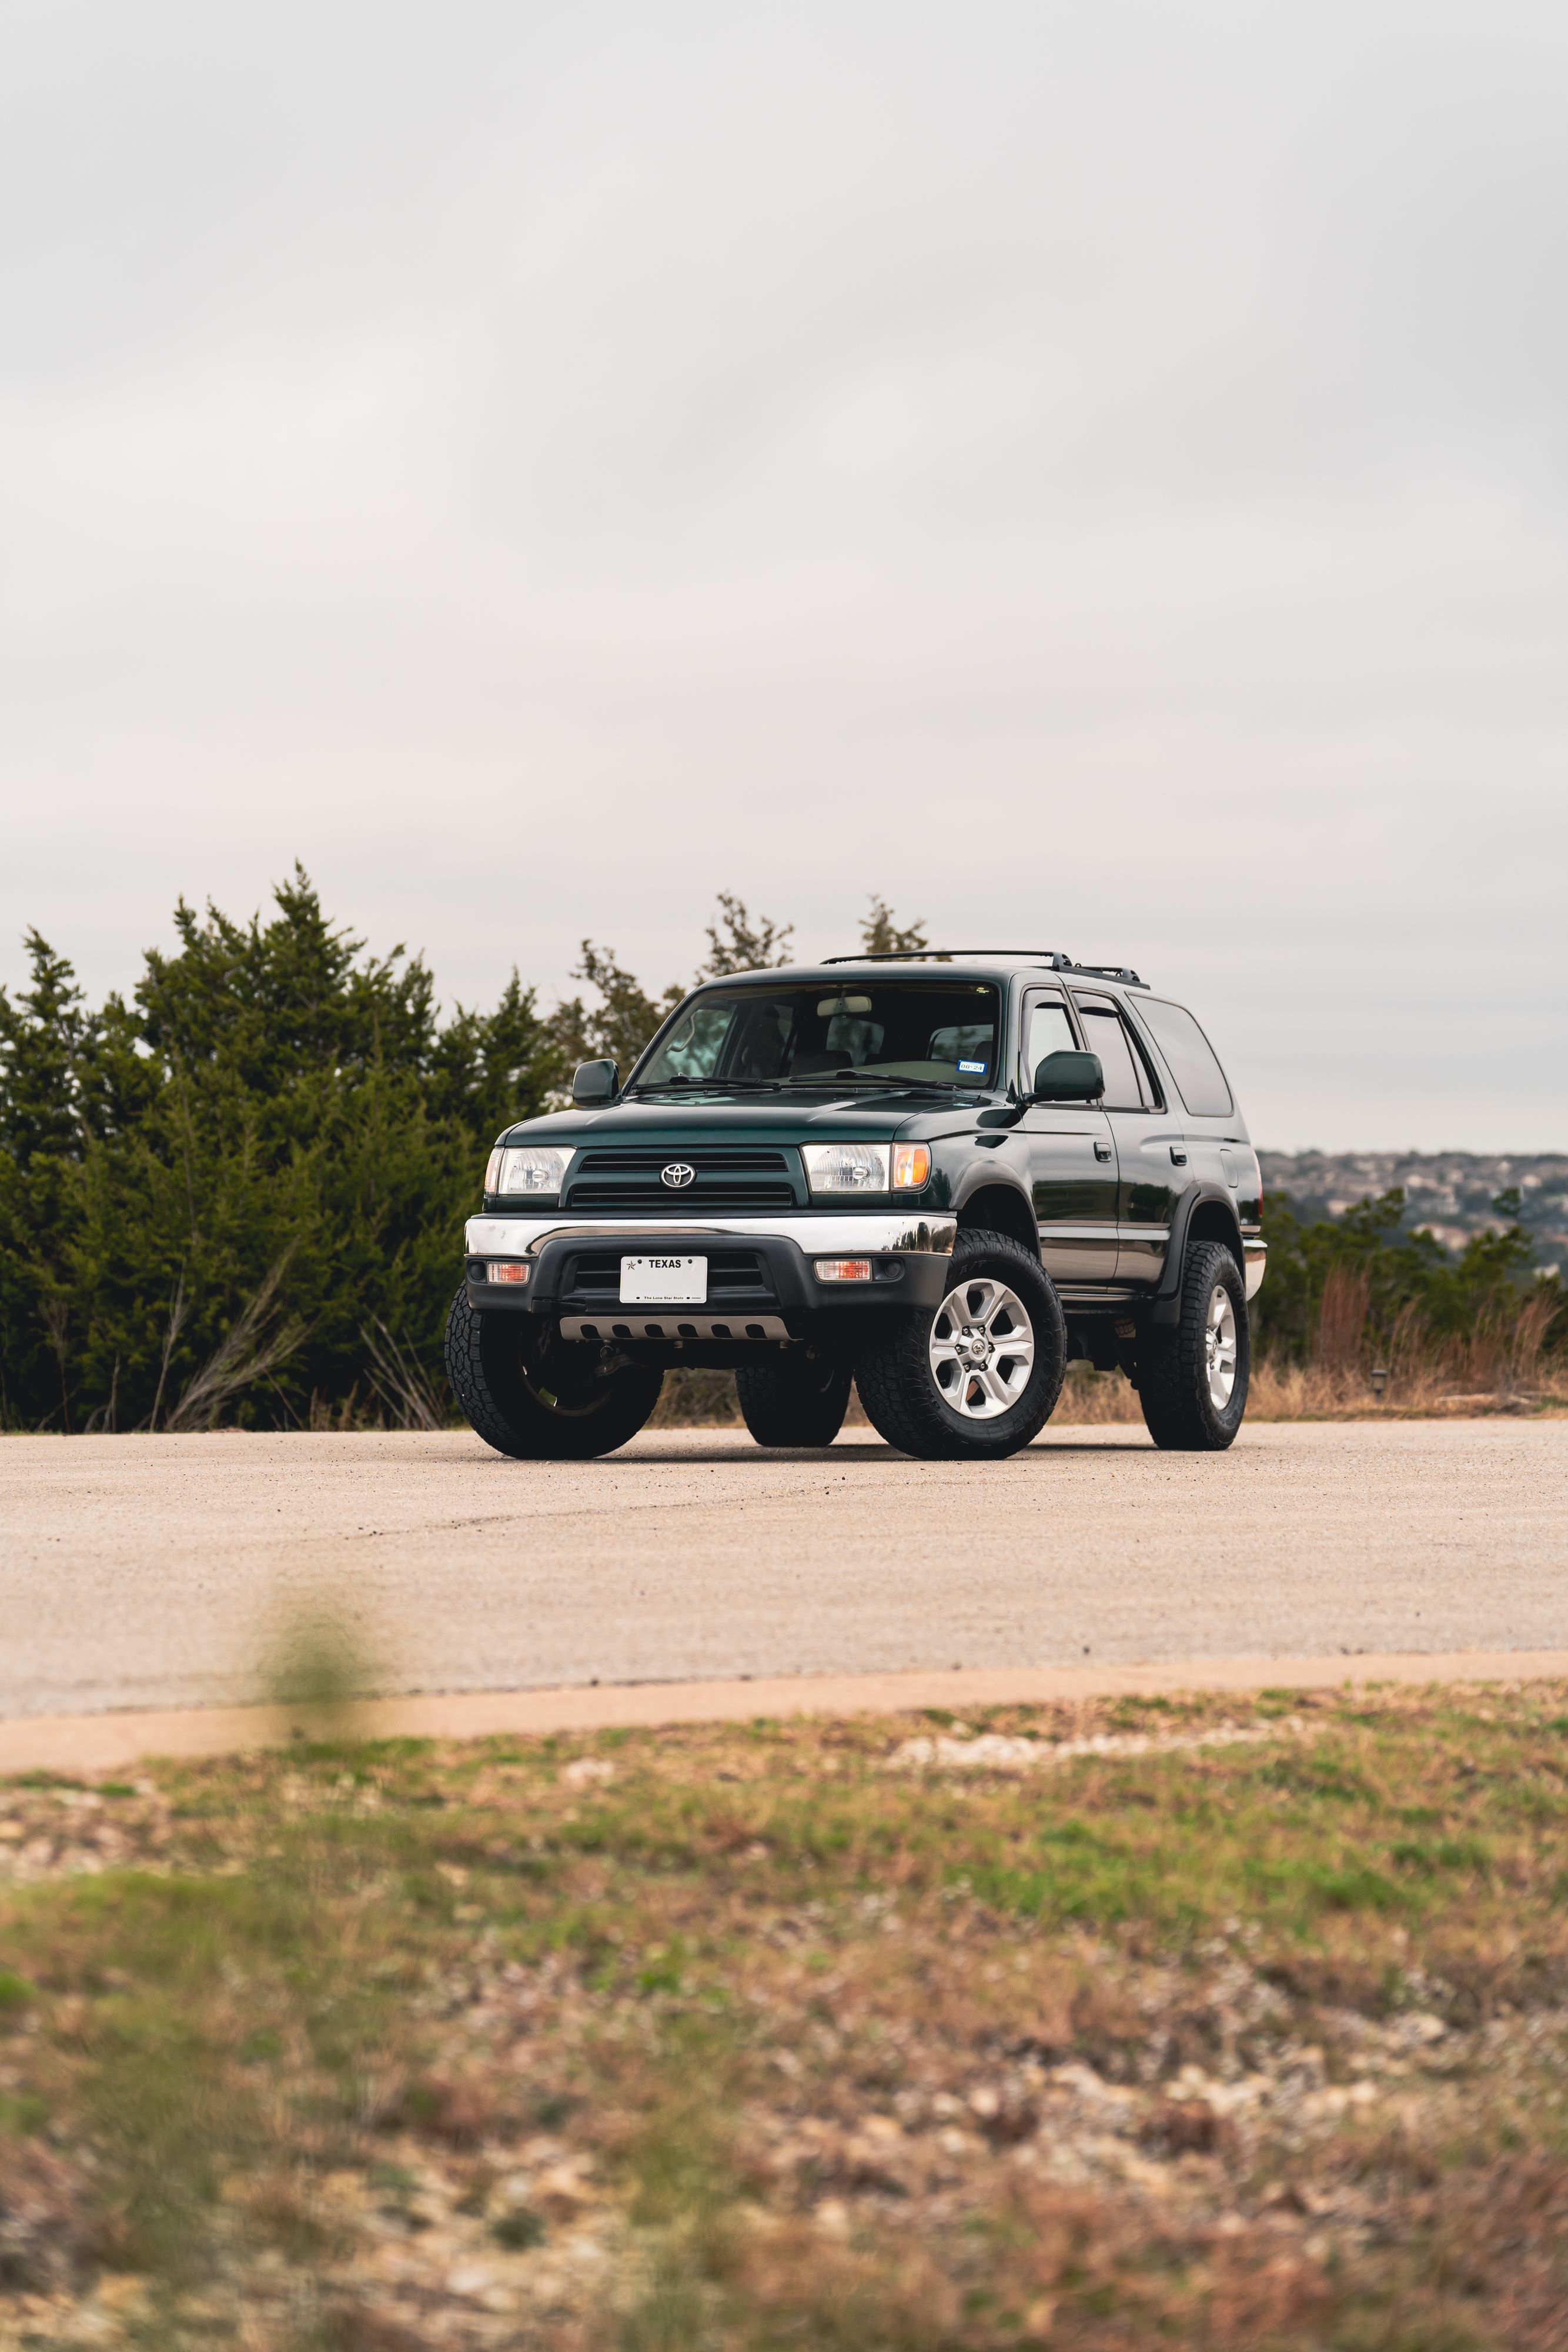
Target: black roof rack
1051,956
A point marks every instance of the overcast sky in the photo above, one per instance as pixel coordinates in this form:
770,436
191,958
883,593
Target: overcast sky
1098,476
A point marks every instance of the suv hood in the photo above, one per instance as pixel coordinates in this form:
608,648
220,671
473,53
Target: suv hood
870,1117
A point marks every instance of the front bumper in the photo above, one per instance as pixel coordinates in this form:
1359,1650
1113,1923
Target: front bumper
759,1268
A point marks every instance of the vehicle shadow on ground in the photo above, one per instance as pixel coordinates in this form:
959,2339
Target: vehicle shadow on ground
853,1450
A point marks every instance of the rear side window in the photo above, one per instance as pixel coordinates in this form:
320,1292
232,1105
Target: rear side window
1126,1085
1199,1079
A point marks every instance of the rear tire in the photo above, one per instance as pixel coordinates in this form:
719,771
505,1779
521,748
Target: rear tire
946,1385
1193,1375
794,1400
529,1393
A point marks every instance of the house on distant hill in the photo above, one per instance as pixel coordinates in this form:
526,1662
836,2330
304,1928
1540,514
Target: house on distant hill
1449,1195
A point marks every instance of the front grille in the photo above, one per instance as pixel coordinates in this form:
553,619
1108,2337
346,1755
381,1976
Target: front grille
728,1163
712,1199
732,1274
731,1182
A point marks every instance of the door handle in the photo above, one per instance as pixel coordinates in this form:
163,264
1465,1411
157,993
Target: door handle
1101,1152
1178,1158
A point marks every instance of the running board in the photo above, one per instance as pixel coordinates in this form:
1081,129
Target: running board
671,1326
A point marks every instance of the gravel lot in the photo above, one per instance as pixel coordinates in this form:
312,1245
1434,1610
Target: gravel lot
156,1572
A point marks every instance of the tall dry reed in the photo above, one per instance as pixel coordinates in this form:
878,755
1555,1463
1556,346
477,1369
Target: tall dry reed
1340,1330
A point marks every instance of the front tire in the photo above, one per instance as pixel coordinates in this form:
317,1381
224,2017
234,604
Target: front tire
537,1397
977,1379
793,1401
1193,1376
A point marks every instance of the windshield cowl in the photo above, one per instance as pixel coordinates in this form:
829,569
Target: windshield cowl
849,1082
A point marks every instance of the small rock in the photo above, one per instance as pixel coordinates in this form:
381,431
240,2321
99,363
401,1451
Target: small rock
1416,2029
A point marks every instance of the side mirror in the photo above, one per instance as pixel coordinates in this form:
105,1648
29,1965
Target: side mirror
1068,1077
599,1082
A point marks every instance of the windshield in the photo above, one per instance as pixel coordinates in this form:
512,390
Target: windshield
929,1033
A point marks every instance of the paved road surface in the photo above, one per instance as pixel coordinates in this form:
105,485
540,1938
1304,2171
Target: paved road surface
153,1571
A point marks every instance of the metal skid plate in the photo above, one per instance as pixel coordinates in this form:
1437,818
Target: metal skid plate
673,1323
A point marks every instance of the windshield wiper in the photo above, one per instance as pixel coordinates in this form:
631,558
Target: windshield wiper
880,1079
702,1085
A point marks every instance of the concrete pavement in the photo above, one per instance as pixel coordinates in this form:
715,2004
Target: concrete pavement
157,1571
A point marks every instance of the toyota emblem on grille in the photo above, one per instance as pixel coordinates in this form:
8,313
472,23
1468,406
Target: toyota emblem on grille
677,1175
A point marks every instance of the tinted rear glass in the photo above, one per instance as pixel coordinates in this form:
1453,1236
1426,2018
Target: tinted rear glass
941,1031
1200,1081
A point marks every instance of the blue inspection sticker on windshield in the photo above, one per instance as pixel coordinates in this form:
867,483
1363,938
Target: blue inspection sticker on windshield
975,1069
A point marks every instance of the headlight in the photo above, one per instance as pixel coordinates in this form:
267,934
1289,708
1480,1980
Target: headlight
845,1167
526,1168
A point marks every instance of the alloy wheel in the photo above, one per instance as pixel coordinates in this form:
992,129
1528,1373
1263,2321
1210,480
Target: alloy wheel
1219,1347
982,1349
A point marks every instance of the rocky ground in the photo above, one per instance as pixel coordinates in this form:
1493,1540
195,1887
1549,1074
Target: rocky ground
1095,2026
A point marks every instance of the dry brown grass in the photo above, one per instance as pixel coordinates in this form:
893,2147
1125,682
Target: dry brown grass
1282,1390
1492,1369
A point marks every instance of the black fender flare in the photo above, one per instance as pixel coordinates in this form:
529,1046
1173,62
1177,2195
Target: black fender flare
1166,1308
991,1178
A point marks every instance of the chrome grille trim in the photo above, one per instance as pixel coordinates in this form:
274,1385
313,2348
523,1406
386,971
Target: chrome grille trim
605,1161
825,1234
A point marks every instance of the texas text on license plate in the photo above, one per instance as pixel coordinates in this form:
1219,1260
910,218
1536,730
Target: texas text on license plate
664,1281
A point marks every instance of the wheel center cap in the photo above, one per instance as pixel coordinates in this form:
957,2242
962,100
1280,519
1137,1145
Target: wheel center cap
974,1344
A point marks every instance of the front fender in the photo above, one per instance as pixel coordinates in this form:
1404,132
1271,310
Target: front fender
988,1171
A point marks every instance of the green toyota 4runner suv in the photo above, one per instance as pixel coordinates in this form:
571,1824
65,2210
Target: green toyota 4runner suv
942,1176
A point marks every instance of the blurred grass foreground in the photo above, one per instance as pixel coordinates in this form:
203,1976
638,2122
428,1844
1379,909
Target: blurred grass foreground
1198,2024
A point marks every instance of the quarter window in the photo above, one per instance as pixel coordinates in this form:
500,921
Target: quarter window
1199,1079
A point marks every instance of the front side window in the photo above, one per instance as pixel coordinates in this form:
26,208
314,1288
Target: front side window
1046,1031
1200,1081
939,1032
1127,1082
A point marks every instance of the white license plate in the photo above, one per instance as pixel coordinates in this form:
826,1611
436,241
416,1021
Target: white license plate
663,1281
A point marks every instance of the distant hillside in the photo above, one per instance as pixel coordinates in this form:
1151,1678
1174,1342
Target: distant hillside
1449,1193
